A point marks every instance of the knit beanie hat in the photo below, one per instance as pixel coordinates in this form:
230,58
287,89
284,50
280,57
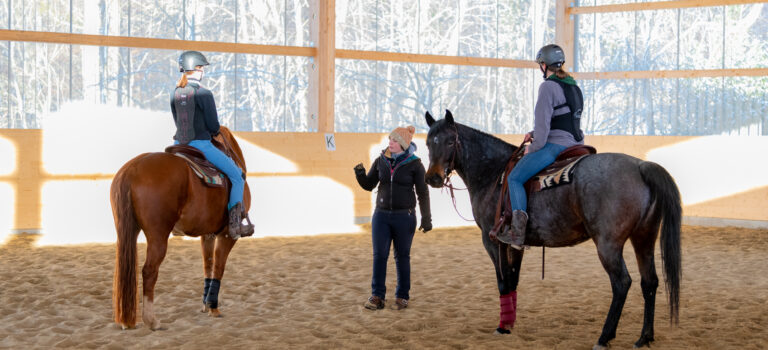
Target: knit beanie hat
403,136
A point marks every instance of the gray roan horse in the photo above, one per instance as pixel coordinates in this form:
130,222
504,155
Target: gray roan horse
613,197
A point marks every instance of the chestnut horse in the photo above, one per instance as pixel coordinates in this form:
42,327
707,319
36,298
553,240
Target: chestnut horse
613,198
158,193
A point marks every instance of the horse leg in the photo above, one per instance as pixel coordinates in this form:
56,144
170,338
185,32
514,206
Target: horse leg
507,264
224,244
157,245
610,254
649,282
207,243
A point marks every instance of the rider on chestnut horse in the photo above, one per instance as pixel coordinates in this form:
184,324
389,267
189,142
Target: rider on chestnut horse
194,112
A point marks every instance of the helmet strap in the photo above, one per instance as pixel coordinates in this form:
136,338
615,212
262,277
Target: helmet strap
198,74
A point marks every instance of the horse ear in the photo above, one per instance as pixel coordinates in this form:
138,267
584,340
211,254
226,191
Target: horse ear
448,116
429,118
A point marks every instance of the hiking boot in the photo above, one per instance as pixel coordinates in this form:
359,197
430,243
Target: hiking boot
374,303
236,227
400,304
514,234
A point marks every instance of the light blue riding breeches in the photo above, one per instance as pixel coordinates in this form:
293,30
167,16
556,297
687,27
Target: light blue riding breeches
226,165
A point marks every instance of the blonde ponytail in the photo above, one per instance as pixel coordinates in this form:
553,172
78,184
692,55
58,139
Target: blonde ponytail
182,81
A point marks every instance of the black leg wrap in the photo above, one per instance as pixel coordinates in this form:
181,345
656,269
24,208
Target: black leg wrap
212,298
206,288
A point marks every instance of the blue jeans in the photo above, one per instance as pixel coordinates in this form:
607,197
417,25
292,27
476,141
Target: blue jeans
528,166
226,165
392,226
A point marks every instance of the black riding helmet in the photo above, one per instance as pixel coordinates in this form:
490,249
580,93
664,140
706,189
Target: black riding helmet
191,59
551,55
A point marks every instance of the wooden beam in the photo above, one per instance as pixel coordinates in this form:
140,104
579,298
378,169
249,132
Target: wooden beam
564,31
660,5
433,59
150,43
671,74
326,62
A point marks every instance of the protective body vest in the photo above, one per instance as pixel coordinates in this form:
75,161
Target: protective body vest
184,102
570,121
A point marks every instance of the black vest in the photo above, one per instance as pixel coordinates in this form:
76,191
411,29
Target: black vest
184,102
570,121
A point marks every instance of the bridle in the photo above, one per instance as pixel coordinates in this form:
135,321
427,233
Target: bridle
449,170
451,165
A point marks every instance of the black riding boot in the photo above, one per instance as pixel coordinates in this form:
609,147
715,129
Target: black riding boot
514,234
236,227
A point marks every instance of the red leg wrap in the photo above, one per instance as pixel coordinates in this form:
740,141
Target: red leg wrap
508,303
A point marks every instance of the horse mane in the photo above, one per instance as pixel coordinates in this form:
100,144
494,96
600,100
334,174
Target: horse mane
475,134
494,151
497,141
233,147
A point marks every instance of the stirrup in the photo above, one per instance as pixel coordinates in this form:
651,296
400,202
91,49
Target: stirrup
246,230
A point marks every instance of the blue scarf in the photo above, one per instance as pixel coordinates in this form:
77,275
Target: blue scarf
399,159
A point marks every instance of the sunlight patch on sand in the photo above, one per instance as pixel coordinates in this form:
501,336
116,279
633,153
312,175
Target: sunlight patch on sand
300,205
77,212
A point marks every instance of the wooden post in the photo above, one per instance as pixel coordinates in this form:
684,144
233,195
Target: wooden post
564,31
323,68
28,179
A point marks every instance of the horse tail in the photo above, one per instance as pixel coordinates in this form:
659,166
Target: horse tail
665,197
125,282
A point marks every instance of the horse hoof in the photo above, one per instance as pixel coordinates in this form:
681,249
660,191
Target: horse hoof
155,325
214,313
502,331
643,342
599,347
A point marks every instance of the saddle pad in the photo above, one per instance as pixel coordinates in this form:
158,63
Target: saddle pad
216,180
559,173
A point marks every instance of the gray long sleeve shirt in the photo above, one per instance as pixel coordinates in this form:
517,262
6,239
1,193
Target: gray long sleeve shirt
550,95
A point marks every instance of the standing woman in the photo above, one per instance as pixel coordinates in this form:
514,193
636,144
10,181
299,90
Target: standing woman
556,127
397,172
194,112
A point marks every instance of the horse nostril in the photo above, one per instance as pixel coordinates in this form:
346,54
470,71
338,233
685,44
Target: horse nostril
434,180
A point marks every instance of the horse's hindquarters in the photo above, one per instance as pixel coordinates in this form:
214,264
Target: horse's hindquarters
167,194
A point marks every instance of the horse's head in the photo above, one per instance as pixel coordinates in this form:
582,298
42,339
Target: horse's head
228,139
443,145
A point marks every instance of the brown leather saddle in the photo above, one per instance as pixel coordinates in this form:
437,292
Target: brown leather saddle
204,169
558,173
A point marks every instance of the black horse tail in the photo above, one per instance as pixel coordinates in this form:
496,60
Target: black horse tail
665,197
125,283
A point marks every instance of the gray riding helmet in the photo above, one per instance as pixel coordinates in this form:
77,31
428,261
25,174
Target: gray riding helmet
191,59
551,55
